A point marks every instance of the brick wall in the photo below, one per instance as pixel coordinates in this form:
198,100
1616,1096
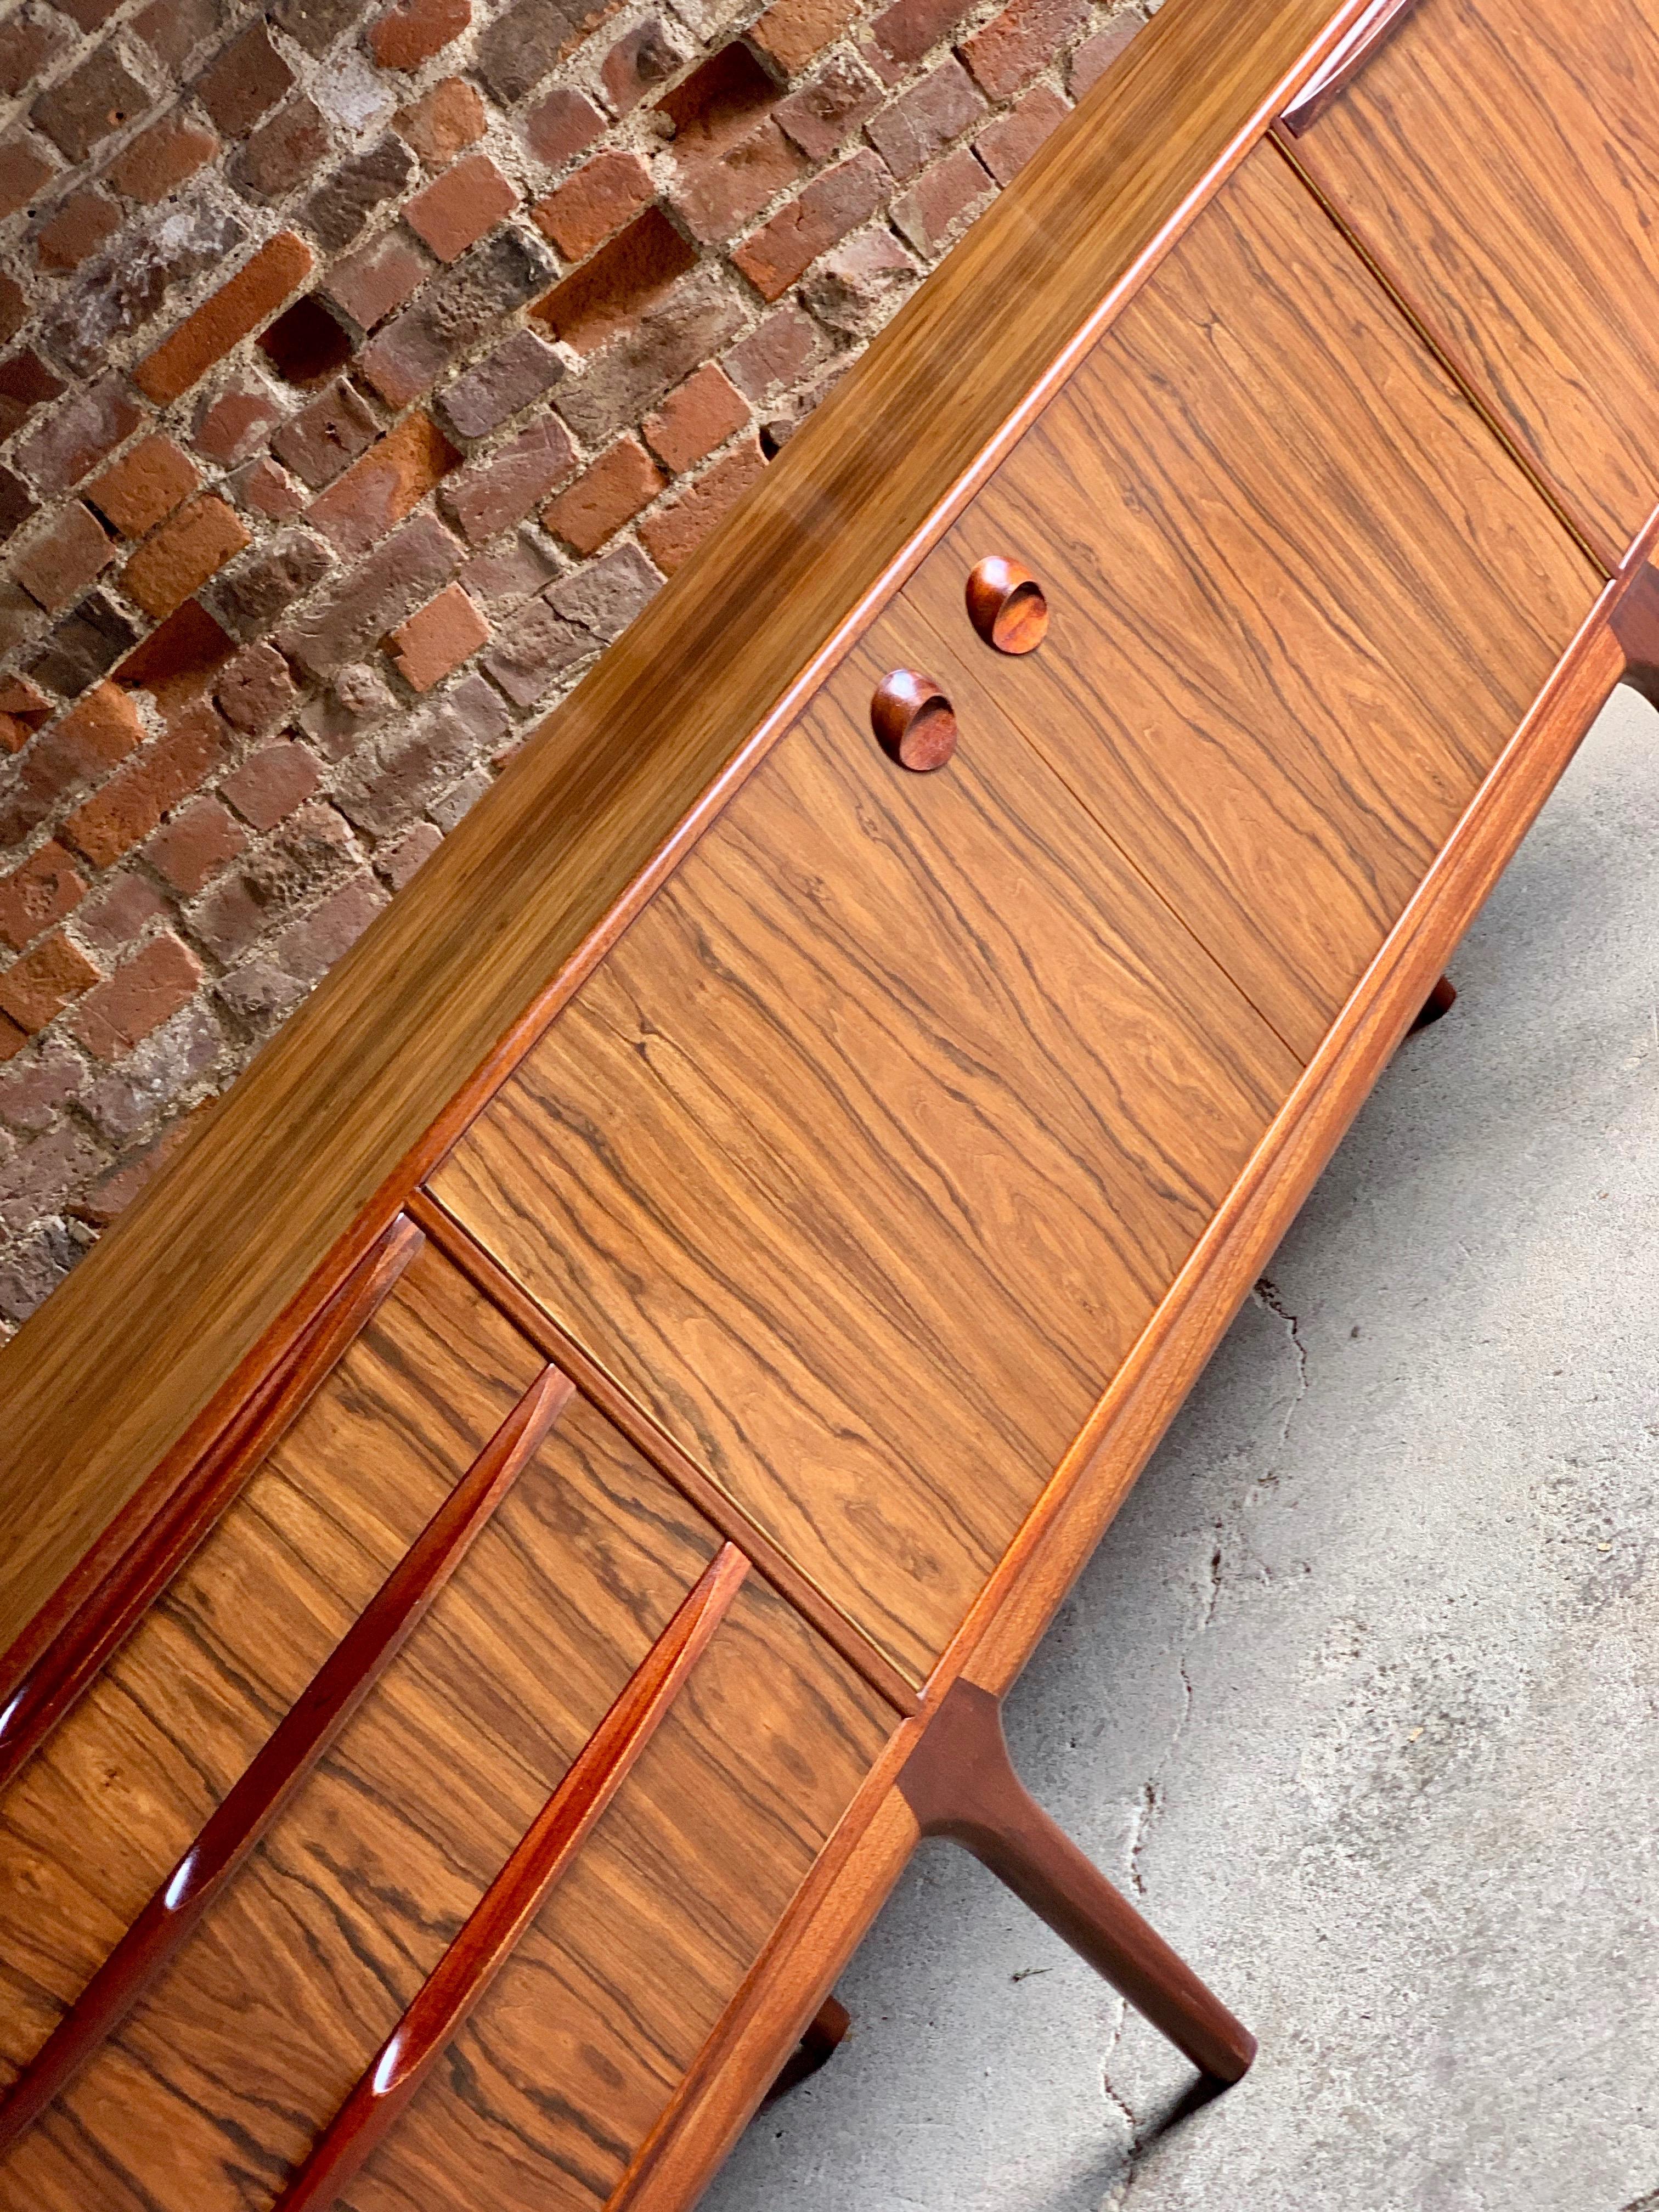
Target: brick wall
363,371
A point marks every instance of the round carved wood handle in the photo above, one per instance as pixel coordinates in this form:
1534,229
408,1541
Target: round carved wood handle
912,719
1006,605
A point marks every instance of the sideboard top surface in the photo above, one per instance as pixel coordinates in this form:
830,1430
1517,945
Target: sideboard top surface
158,1317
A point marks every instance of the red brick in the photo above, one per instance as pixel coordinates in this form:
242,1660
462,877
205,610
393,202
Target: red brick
23,170
83,109
459,306
438,639
674,532
12,1039
282,152
14,309
249,299
415,30
268,490
386,484
113,1192
443,121
775,255
119,910
775,352
829,108
35,989
39,893
457,209
26,383
903,32
23,707
199,841
341,205
560,126
493,495
177,662
236,425
1096,56
99,730
370,284
1012,47
611,291
76,436
397,576
255,690
1006,145
146,991
520,370
703,413
254,592
144,486
604,496
323,438
244,81
857,286
79,227
940,199
61,560
909,133
89,13
792,31
133,801
506,573
270,783
27,44
397,861
719,197
157,162
183,554
642,59
602,195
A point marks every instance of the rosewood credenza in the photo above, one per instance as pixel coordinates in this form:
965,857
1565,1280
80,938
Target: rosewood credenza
506,1548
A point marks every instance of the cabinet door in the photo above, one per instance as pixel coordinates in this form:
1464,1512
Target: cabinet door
864,1158
1300,597
1499,159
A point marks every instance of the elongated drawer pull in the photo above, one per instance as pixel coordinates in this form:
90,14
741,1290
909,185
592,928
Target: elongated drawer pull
1007,605
913,720
1344,63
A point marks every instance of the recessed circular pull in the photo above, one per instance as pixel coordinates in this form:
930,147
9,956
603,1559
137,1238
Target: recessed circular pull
1006,606
912,719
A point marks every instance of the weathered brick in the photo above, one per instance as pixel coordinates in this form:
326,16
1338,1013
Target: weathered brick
718,198
111,1193
902,33
266,989
337,210
89,13
561,126
774,352
270,783
414,30
606,496
255,690
38,894
15,509
1006,145
183,554
254,592
311,852
23,170
76,436
516,51
520,370
1010,50
23,707
642,59
458,208
121,292
175,29
493,495
611,291
26,383
35,789
941,200
291,146
437,638
119,910
249,299
379,489
85,646
31,1184
316,24
62,559
144,486
923,122
99,730
857,287
123,1100
403,571
357,699
605,597
398,860
374,282
674,337
828,107
504,575
34,1266
1096,56
791,32
200,840
28,45
131,803
159,979
703,413
602,195
320,442
243,81
780,252
157,162
677,528
538,648
76,229
14,309
265,489
35,989
237,424
443,121
12,1041
177,661
416,759
33,1094
88,105
409,353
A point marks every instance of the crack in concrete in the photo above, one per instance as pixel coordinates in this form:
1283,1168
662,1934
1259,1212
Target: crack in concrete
1649,2202
1267,1296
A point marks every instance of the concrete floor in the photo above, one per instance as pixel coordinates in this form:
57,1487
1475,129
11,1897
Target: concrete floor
1361,1693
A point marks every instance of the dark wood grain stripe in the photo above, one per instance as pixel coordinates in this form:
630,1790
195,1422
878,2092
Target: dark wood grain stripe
289,1756
145,1548
1379,23
514,1898
534,1323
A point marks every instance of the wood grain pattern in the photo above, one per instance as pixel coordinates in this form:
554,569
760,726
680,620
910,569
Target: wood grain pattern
1379,23
869,1151
188,1283
1299,598
219,2080
560,2073
110,1804
1500,164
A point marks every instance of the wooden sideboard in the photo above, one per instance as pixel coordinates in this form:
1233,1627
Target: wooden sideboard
507,1547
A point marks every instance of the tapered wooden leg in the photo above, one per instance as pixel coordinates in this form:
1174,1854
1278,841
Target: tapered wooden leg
817,2047
1440,1000
960,1783
1635,624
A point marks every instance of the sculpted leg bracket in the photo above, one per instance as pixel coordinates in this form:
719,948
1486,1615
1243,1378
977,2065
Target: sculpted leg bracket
817,2047
1440,1000
960,1783
1635,624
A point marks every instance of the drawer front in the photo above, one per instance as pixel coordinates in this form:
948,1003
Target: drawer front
1299,596
1500,161
208,2092
864,1158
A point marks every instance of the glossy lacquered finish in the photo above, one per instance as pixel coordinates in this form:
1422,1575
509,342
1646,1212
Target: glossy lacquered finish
913,721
